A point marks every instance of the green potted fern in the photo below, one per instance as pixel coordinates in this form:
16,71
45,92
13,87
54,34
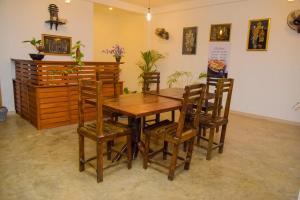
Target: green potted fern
149,61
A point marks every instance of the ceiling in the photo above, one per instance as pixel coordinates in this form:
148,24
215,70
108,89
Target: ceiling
154,3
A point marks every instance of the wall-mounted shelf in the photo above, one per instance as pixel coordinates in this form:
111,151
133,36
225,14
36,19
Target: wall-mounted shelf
54,22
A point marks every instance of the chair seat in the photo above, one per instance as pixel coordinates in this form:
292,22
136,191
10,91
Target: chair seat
166,130
206,120
110,129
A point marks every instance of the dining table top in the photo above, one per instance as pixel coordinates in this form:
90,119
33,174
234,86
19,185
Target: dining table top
177,93
139,104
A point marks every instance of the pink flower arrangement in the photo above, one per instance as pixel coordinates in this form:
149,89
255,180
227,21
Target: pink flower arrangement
117,51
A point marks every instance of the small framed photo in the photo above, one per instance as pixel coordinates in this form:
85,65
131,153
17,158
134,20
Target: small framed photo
258,34
220,33
57,45
189,41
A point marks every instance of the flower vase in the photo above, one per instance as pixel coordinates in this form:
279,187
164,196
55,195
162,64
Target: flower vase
118,58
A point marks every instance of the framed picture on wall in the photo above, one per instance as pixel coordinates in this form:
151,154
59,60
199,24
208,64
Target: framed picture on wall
258,34
56,45
189,41
220,32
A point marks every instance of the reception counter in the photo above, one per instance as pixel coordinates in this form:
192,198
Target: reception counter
46,92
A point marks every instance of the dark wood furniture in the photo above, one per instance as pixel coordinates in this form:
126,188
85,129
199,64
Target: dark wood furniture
151,78
136,106
101,131
176,133
177,93
217,119
46,92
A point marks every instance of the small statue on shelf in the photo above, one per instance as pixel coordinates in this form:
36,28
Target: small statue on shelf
53,10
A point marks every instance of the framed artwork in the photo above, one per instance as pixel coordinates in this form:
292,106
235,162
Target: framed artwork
189,42
57,45
258,34
220,32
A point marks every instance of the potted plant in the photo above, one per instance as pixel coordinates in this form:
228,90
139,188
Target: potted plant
76,53
38,46
183,76
149,61
117,51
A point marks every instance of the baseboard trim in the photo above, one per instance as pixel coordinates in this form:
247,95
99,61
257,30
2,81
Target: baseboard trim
266,118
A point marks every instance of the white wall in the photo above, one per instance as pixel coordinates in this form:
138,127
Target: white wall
129,30
23,19
266,83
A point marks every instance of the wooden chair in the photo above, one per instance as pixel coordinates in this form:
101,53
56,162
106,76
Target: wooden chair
110,78
217,119
148,79
101,131
176,133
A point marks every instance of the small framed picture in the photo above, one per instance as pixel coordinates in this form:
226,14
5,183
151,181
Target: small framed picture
220,33
56,45
258,34
189,41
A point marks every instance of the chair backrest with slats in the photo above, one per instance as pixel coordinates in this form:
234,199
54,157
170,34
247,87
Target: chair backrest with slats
109,76
223,90
211,83
151,78
89,89
193,95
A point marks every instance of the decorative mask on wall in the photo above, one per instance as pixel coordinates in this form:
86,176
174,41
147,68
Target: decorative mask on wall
293,20
162,33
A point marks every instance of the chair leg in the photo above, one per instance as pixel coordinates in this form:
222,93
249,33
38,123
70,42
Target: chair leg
108,149
173,162
143,122
81,153
222,138
204,132
129,152
147,146
199,136
173,115
100,161
189,154
210,143
185,146
157,118
165,150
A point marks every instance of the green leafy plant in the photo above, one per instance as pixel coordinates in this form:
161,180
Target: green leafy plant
36,43
76,53
183,76
297,106
202,75
176,76
127,91
149,61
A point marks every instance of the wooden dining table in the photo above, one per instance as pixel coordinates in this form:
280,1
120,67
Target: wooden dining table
136,106
139,105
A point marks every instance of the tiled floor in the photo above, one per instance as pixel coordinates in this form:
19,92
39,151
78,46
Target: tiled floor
261,161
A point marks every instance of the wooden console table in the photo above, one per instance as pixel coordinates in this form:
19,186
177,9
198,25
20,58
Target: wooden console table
46,92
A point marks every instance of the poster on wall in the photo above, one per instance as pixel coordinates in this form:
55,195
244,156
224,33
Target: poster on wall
218,57
189,41
258,35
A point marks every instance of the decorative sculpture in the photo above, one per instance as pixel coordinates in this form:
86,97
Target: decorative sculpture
162,33
53,10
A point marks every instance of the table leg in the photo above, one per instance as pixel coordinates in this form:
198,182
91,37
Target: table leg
135,124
